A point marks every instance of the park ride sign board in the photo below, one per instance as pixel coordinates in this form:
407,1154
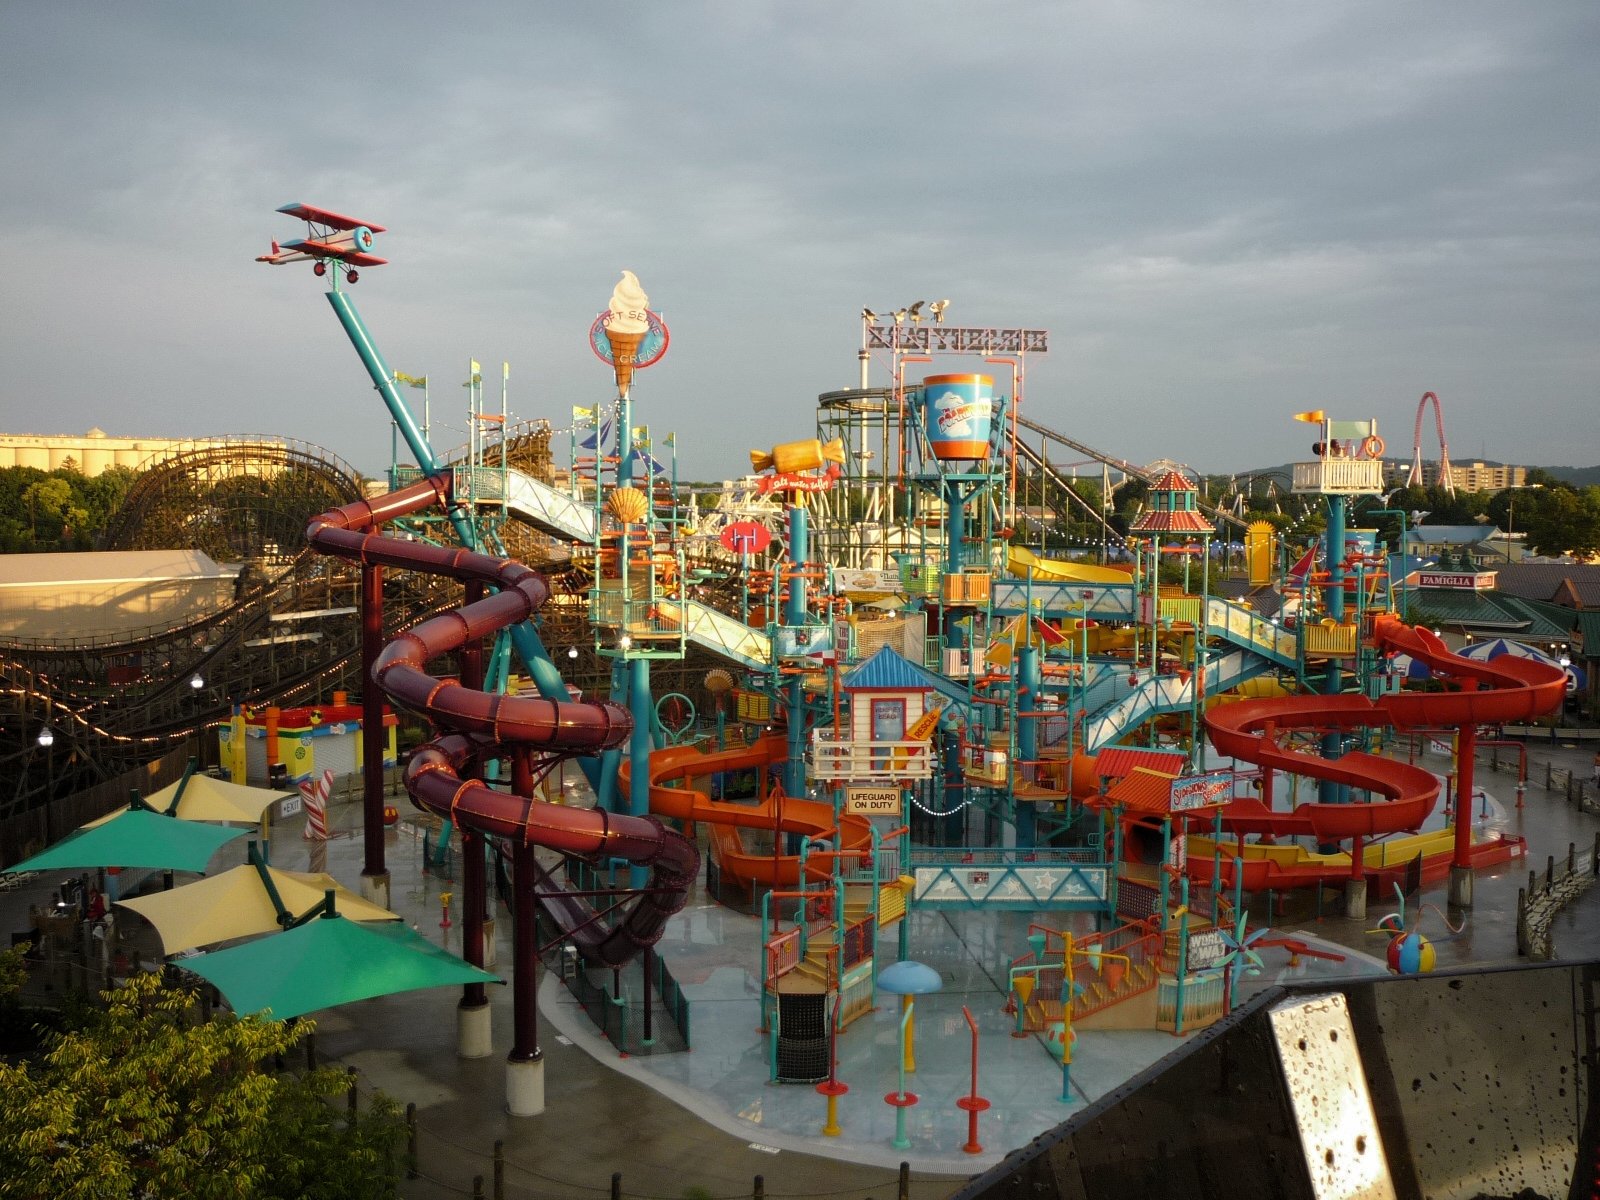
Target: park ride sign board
872,801
1463,581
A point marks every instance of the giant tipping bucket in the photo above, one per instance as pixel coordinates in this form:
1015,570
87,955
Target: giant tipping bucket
957,412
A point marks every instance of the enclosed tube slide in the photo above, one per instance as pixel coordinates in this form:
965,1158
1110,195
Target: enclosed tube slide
481,725
1501,690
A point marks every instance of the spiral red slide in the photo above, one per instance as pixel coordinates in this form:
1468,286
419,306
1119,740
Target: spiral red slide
479,725
1496,691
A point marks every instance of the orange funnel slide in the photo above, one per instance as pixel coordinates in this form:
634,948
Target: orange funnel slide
1501,690
787,814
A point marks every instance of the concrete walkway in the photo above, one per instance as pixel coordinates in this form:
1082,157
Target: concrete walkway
706,1122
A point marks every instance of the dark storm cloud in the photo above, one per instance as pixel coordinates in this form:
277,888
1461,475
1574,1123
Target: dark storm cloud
1221,212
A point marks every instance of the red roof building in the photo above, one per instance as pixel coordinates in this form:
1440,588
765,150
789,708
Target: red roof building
1172,508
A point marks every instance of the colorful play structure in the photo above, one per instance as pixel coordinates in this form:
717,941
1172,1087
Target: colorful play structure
906,708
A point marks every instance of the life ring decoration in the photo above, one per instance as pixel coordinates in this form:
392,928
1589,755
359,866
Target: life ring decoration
1373,447
656,339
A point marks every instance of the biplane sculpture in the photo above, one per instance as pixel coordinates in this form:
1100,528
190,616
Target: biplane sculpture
330,236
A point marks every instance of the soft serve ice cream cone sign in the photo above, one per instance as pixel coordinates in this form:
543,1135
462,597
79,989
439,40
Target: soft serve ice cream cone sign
628,335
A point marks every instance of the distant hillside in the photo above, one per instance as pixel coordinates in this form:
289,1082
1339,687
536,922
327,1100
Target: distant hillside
1582,476
1579,476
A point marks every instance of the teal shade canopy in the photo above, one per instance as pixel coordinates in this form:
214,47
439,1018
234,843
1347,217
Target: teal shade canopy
326,962
909,978
135,839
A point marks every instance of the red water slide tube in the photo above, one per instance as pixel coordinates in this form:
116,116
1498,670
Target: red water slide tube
481,725
1491,692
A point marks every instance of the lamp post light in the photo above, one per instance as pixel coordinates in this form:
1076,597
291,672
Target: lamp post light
46,738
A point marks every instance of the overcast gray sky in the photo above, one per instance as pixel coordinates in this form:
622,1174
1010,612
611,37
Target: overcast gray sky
1222,213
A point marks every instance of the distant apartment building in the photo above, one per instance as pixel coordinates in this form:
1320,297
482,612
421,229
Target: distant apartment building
1473,477
93,452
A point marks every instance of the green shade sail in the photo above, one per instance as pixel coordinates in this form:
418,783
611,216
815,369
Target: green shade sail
135,839
326,962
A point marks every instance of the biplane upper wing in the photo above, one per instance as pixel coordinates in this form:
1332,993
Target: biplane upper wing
332,220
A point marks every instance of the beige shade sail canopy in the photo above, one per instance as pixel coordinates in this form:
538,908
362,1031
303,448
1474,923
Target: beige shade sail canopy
208,799
236,904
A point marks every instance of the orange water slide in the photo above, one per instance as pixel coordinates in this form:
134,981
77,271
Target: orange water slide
1500,690
672,796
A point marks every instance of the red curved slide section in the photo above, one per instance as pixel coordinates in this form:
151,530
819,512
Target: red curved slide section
1505,689
791,815
479,724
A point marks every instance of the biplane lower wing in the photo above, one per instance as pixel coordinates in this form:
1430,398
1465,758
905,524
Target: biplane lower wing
310,248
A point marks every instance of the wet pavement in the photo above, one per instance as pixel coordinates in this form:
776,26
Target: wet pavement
708,1121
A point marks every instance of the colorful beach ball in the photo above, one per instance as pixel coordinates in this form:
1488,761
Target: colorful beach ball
1411,954
1058,1036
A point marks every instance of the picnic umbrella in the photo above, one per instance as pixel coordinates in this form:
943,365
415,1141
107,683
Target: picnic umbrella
240,903
135,838
327,961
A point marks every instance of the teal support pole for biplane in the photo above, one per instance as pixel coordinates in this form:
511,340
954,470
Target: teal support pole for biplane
523,635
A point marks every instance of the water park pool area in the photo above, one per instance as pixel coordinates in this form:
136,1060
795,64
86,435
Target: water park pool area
933,840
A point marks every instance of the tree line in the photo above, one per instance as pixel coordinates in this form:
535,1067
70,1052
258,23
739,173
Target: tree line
58,510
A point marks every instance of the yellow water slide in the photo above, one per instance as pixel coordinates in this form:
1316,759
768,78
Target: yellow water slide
1020,561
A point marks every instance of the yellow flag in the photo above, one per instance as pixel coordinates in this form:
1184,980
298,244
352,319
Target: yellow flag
416,381
505,370
582,414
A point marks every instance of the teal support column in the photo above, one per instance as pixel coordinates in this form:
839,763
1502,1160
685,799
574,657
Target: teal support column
1030,680
1328,791
794,613
639,753
953,803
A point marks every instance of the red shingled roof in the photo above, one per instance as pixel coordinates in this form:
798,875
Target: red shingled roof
1172,482
1179,520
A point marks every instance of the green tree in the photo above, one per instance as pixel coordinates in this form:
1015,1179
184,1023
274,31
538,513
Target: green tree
1562,520
140,1100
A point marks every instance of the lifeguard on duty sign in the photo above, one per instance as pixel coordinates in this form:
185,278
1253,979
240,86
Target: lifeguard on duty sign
872,801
